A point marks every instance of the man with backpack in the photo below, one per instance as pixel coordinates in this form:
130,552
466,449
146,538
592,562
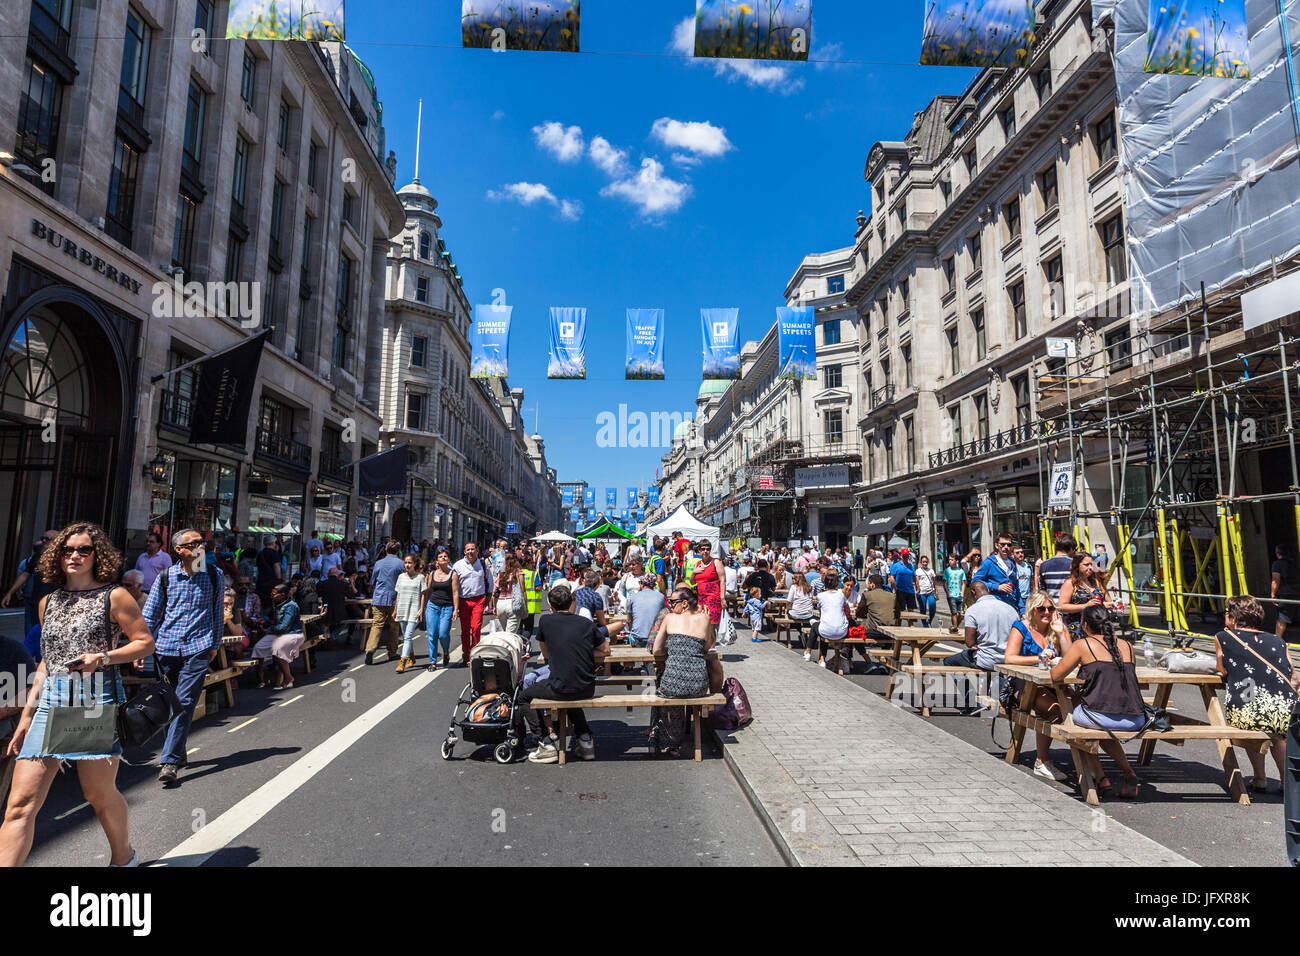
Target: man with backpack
185,615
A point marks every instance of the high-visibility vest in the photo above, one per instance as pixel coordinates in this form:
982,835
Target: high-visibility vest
691,564
532,590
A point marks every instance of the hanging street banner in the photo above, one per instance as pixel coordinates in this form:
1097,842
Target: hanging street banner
640,514
511,25
623,514
987,33
573,514
1198,38
757,30
490,341
566,496
568,344
721,331
383,474
589,497
611,497
654,496
796,328
223,395
645,344
631,496
260,20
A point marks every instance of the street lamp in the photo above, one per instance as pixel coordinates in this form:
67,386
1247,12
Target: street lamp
157,469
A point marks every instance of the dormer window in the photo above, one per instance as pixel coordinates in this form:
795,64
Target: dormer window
426,246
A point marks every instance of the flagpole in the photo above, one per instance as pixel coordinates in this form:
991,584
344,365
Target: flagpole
180,368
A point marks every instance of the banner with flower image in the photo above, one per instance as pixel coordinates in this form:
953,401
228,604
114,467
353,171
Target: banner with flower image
568,344
1198,38
979,33
320,20
490,341
546,25
757,30
645,344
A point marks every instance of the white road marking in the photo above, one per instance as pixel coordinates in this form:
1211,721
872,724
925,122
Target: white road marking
358,667
292,699
220,832
68,813
241,726
191,750
326,683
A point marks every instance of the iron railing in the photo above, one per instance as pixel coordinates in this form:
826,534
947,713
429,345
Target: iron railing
982,447
882,396
284,450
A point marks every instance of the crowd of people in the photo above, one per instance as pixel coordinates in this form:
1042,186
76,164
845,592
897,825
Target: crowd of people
89,615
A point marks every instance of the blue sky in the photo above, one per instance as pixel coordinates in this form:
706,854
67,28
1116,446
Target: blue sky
631,176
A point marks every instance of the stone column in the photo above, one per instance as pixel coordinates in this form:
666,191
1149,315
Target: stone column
985,499
926,533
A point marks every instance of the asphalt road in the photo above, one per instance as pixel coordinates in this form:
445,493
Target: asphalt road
344,770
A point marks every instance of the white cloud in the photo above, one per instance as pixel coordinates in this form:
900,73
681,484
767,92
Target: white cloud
499,115
565,144
529,194
650,191
757,73
608,157
828,55
684,159
701,139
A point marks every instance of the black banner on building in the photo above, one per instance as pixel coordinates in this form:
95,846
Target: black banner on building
223,394
383,474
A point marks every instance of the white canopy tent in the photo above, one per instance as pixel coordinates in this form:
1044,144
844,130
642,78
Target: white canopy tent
552,536
683,521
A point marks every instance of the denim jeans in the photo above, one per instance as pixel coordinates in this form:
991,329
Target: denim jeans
186,675
408,636
437,622
964,658
927,603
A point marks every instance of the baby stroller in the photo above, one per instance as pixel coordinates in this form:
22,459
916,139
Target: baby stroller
485,711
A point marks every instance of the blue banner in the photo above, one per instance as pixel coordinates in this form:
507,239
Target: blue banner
760,29
631,496
566,496
573,514
640,514
252,19
490,341
654,497
611,497
623,514
988,33
798,344
568,344
721,330
645,344
589,497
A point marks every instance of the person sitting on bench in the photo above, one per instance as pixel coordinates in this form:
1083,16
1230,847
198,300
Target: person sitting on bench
877,608
570,643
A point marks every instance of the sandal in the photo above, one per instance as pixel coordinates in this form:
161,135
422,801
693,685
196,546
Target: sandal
1127,793
1104,788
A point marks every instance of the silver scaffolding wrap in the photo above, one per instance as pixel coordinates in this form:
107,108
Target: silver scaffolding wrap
1211,167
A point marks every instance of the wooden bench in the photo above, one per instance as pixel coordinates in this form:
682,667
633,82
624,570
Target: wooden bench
308,622
694,709
788,625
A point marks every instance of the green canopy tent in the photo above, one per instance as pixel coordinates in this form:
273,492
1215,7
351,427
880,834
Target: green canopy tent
608,531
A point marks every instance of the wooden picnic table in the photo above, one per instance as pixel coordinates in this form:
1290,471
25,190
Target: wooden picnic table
308,622
1084,740
913,616
919,641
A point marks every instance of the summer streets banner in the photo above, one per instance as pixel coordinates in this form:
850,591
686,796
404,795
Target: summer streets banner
798,345
645,344
611,497
640,514
490,341
654,497
320,20
631,496
568,344
224,394
513,25
573,514
721,330
589,497
979,33
1198,37
759,29
566,496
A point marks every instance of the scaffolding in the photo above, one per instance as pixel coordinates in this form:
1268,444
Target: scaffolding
1174,412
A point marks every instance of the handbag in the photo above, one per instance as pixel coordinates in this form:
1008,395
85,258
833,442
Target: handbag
726,630
1190,662
84,728
155,705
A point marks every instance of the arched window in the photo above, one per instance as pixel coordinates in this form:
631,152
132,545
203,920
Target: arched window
426,246
44,375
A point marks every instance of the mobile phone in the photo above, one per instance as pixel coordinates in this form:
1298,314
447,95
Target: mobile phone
73,662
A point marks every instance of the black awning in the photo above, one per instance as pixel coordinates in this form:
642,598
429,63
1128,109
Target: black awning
882,522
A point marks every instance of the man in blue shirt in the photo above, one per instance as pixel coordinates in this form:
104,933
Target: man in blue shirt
185,615
903,580
999,573
383,599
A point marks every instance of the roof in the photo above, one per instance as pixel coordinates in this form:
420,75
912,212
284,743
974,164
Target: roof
683,430
714,386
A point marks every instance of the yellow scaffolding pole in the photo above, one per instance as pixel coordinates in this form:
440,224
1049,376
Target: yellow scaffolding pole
1225,563
1166,596
1234,525
1202,582
1126,556
1179,588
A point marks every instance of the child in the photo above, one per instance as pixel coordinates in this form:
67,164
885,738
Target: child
755,607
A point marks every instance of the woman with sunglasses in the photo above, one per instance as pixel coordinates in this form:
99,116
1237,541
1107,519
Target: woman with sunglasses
1040,636
686,635
82,621
708,578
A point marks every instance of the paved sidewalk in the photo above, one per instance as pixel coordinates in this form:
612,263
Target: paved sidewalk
843,777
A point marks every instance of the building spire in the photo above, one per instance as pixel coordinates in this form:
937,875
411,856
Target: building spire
419,122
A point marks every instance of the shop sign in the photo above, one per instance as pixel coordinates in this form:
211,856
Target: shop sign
87,258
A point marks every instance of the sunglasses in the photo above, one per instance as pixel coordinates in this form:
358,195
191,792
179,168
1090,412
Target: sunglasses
85,550
188,545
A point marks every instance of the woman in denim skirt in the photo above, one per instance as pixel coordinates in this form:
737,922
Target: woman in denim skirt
82,623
